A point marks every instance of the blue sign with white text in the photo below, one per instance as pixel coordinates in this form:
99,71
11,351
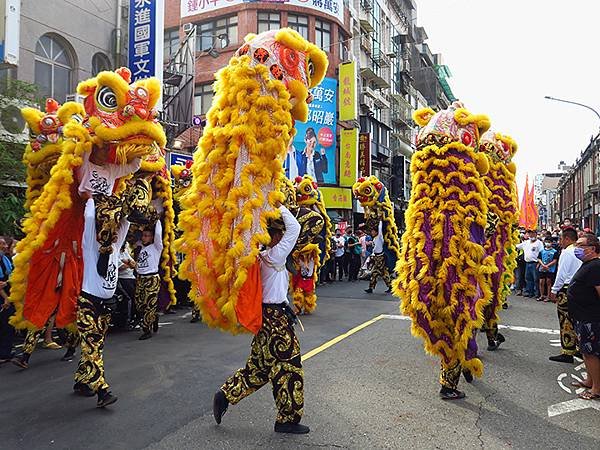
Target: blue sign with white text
313,150
179,159
142,38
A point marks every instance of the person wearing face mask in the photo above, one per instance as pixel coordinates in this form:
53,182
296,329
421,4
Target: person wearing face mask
531,250
546,269
568,265
584,310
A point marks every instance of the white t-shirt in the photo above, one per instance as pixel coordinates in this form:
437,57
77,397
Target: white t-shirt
125,272
531,250
273,273
378,241
93,283
339,246
97,179
149,256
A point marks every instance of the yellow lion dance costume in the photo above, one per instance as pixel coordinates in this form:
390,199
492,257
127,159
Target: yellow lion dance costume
502,233
374,198
48,266
45,142
237,173
309,256
443,270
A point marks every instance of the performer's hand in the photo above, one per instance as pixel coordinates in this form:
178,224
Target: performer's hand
2,284
5,305
552,297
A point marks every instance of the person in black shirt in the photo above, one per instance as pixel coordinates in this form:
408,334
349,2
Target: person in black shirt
584,309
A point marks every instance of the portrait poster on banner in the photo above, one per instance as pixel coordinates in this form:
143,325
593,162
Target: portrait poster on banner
313,150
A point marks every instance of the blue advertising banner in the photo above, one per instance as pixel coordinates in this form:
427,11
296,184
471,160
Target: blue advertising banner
313,151
145,38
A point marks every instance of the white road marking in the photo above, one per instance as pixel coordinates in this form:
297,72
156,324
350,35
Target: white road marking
186,315
508,327
572,405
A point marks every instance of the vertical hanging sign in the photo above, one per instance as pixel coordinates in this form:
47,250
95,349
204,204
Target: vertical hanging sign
347,90
146,36
348,157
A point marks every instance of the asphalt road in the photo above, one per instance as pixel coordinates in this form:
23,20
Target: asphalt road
373,389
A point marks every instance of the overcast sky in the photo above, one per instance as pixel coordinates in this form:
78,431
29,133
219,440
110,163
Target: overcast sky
506,55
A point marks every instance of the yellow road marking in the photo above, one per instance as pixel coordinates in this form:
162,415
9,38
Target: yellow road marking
341,337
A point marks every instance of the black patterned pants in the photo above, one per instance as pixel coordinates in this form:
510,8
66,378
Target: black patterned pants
32,338
450,374
92,324
379,269
146,299
568,338
275,357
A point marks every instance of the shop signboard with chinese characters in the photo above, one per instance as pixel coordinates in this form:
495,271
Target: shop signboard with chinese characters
364,154
146,36
347,78
313,150
348,153
336,198
334,8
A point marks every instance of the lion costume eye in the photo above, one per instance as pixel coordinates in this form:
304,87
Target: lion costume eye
310,68
106,99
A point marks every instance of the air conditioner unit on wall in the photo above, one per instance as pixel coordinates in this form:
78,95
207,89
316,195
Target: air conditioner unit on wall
13,127
187,27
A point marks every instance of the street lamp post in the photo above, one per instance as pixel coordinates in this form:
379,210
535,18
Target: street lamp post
547,97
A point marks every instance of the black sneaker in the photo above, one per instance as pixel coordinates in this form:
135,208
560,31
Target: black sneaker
105,398
369,291
500,338
292,428
68,355
83,389
562,358
195,320
493,345
220,404
146,335
451,394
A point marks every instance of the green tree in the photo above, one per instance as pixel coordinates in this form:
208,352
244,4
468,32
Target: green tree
12,170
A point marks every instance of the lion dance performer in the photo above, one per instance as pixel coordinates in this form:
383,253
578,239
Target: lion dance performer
443,270
311,250
235,194
156,222
501,233
63,244
40,155
379,220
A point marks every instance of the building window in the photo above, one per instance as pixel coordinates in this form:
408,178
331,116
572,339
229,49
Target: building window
323,34
268,21
100,62
343,45
171,43
208,32
53,67
203,99
298,23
